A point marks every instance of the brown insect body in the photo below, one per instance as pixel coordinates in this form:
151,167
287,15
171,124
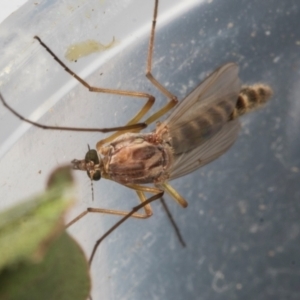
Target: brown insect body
201,128
137,158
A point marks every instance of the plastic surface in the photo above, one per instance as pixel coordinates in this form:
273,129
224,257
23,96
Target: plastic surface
242,225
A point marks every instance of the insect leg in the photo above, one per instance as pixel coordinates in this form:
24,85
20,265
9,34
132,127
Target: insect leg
172,221
131,125
140,190
174,194
130,214
173,99
138,126
180,200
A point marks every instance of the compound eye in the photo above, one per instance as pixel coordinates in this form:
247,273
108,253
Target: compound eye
92,155
96,175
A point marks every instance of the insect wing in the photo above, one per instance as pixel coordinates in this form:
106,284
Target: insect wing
203,113
199,127
210,150
222,83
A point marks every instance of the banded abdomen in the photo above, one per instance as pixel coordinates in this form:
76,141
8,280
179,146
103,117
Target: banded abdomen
209,120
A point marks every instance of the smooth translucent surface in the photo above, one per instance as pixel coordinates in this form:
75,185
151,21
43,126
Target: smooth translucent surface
242,224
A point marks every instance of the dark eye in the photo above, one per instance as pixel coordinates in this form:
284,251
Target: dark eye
92,155
96,175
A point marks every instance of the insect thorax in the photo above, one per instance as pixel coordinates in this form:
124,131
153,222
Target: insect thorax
137,158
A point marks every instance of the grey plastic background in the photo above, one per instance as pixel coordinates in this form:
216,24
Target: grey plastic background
242,224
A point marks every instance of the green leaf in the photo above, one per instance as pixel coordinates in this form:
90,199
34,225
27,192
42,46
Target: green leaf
38,259
63,275
27,229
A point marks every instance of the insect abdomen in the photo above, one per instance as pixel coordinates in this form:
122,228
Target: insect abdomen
201,127
250,98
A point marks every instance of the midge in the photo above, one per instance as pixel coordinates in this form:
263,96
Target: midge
201,127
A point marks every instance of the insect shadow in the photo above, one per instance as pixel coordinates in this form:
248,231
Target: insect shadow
200,128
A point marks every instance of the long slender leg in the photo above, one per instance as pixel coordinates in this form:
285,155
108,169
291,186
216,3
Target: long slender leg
91,88
133,211
119,129
131,125
173,99
140,190
172,221
150,98
174,194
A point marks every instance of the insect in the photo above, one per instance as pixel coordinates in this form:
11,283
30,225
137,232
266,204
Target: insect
200,128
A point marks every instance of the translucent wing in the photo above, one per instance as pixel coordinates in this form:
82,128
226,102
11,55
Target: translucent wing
200,128
223,82
203,113
188,162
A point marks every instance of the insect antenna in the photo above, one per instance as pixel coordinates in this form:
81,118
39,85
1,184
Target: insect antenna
92,189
